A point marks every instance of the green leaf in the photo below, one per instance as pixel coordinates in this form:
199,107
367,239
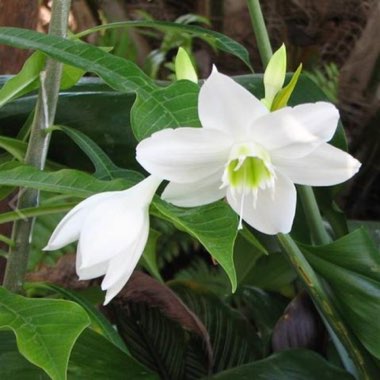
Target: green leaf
25,81
149,257
181,109
351,265
120,74
214,226
287,365
263,308
46,330
13,146
66,181
93,357
99,322
220,41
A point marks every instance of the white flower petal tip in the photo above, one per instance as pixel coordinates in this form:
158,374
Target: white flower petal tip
251,155
112,229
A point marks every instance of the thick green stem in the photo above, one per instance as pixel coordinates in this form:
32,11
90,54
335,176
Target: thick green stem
313,216
260,30
323,303
37,151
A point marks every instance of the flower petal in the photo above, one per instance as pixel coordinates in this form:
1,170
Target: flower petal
87,273
320,119
283,134
122,266
275,208
325,166
227,106
195,194
69,228
109,228
184,155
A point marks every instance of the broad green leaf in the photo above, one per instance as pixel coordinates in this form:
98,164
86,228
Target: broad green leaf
220,41
93,357
99,322
180,99
46,330
351,265
232,337
271,272
13,365
287,365
13,146
214,225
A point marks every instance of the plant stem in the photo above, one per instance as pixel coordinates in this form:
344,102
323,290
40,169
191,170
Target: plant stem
37,151
323,303
260,31
313,219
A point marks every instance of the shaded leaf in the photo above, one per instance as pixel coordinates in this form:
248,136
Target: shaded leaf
233,339
46,330
351,265
286,365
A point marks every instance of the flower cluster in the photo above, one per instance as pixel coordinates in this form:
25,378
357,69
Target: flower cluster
243,153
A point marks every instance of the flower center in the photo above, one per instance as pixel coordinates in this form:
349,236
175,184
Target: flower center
249,169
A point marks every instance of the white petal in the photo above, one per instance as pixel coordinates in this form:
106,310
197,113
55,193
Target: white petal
122,266
325,166
184,155
68,229
282,134
274,212
320,119
227,106
109,228
87,273
195,194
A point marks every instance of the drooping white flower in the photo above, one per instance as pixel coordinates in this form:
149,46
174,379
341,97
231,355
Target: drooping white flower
112,229
247,154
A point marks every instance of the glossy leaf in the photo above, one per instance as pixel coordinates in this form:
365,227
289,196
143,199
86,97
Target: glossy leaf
214,225
286,365
46,330
351,265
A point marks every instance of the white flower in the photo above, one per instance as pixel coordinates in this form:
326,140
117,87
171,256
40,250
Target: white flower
248,154
112,229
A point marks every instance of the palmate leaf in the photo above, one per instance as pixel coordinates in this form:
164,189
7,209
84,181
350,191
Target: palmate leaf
351,266
46,330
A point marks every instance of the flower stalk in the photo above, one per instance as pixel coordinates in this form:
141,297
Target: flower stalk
315,289
37,151
260,31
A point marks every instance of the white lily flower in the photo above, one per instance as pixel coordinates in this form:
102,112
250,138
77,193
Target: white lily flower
112,229
247,154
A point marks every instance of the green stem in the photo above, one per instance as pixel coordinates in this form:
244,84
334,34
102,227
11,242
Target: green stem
322,301
313,216
260,30
37,151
